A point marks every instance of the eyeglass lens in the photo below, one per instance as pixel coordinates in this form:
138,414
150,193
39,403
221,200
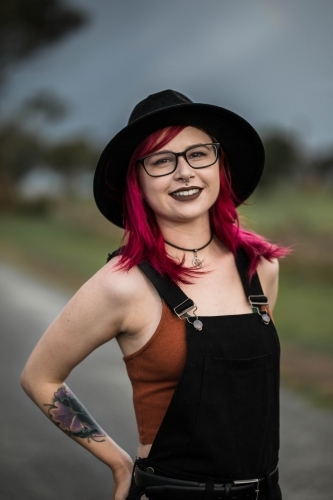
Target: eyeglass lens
164,163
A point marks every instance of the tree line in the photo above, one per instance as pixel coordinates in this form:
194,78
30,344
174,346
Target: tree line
26,26
23,149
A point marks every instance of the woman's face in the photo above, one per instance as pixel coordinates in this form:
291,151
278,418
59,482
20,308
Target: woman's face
169,196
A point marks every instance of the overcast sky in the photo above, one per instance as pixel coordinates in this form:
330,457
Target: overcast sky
268,60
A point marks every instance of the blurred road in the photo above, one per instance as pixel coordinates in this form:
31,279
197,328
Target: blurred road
38,462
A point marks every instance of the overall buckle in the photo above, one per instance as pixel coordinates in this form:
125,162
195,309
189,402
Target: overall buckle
249,481
182,311
259,304
185,307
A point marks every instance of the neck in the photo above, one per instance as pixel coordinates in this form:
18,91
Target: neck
187,236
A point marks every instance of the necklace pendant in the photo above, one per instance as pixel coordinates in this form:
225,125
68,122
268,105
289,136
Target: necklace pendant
197,262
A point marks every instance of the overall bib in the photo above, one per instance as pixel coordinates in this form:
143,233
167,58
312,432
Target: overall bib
222,424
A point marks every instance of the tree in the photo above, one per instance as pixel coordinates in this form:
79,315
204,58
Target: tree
283,158
322,167
20,150
72,156
44,105
28,25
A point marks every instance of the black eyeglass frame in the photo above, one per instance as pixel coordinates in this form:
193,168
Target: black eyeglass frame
216,145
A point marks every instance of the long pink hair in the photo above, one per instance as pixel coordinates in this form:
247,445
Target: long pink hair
144,241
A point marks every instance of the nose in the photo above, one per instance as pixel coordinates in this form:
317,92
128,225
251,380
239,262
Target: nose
183,170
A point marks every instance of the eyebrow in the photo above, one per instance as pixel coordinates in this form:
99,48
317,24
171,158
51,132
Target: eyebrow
192,146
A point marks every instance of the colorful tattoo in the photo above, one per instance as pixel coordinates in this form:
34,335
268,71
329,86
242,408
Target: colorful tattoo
71,416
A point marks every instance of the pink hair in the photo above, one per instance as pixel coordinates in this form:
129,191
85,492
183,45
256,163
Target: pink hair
144,241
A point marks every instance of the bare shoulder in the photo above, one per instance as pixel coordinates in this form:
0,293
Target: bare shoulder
100,308
129,293
118,284
268,272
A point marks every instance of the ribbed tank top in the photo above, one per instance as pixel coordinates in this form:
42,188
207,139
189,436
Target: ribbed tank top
154,371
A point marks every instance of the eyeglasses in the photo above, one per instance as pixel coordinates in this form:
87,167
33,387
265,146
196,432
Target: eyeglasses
165,162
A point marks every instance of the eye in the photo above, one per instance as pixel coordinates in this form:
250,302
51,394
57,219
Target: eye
198,152
160,160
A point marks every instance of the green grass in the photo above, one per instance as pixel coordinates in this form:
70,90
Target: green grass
304,312
60,250
287,209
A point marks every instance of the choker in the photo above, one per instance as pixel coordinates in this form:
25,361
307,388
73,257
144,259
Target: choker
196,261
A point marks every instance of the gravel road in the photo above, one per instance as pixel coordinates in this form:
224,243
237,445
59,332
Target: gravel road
41,463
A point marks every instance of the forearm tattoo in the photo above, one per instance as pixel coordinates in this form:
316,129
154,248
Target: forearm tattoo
71,416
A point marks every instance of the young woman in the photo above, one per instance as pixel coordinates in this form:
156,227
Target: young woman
189,298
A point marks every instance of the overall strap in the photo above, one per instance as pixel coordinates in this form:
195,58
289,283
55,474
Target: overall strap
253,286
253,289
169,291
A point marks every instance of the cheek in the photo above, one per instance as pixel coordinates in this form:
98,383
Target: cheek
149,190
215,186
215,181
214,194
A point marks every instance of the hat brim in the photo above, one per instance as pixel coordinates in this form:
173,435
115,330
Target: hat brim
239,140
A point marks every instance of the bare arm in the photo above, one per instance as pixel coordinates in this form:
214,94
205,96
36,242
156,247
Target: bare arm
92,317
269,278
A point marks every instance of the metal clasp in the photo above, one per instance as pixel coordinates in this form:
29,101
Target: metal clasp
184,308
250,481
258,302
182,311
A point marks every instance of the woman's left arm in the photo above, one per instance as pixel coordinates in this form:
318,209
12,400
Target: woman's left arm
268,272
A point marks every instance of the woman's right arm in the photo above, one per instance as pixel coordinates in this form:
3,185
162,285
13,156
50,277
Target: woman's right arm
95,315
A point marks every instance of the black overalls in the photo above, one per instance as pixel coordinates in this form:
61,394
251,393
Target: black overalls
222,423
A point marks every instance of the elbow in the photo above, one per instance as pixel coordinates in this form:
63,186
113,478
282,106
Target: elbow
25,381
35,380
30,380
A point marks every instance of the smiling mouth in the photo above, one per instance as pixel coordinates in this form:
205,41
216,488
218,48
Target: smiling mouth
186,194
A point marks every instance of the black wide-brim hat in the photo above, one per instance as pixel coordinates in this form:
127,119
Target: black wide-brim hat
240,142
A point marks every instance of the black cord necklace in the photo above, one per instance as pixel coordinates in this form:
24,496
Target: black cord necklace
196,261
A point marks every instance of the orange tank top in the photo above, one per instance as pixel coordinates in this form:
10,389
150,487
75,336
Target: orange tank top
154,371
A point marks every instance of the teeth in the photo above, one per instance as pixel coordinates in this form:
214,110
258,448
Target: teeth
186,193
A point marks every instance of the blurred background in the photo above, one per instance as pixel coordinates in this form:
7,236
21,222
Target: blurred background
70,73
